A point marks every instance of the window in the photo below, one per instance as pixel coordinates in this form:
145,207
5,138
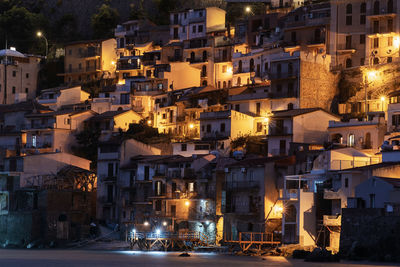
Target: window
362,19
202,128
110,169
200,14
224,84
349,17
376,42
290,90
390,25
376,61
208,128
362,60
258,108
27,75
372,201
259,127
251,65
237,107
351,140
239,81
349,9
363,8
293,37
14,73
346,182
183,147
279,87
376,7
194,29
13,89
362,38
348,63
240,66
224,69
390,6
26,90
191,187
200,28
222,127
70,52
348,42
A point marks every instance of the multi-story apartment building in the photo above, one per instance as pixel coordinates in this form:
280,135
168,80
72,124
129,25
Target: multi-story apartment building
191,24
363,33
89,60
19,74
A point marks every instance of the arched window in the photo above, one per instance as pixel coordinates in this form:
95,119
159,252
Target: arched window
251,65
219,84
349,9
204,56
239,81
390,6
363,8
376,7
192,56
266,67
224,84
240,68
204,83
229,84
204,71
351,140
376,61
348,63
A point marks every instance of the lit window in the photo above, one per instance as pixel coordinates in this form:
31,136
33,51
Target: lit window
351,140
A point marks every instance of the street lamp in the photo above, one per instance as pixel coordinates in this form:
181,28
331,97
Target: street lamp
187,203
41,35
383,99
370,75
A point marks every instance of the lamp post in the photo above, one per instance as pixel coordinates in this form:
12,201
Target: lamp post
41,35
370,76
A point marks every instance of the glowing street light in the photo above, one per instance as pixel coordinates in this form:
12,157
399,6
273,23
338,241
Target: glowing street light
383,99
41,35
149,122
158,232
164,223
191,126
370,76
187,203
146,223
248,9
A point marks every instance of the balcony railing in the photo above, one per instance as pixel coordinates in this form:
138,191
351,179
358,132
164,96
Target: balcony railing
242,186
279,131
332,220
283,75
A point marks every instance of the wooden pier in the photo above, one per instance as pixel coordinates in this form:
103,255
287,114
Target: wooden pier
247,240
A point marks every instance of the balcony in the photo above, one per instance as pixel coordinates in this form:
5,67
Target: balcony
82,70
279,131
242,186
329,194
196,60
35,126
289,194
90,53
332,220
283,75
382,13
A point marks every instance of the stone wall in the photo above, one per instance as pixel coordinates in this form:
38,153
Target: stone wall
318,86
370,234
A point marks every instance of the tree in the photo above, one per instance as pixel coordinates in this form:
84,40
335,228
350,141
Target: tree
104,22
88,141
19,26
